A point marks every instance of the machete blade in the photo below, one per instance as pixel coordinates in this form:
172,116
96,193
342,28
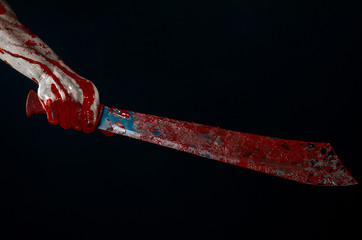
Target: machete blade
313,163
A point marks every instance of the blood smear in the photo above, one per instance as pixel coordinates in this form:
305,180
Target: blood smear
2,9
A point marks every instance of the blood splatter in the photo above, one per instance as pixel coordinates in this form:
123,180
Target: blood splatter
30,43
2,9
7,63
295,160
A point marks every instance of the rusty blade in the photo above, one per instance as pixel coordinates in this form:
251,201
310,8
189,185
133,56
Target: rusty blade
306,162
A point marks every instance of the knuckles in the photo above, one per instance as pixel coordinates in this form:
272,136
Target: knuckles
66,105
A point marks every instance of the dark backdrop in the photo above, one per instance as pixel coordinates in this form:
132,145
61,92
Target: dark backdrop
288,69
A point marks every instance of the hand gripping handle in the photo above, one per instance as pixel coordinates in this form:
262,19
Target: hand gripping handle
33,104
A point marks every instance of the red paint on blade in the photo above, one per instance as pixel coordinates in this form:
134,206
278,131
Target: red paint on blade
306,162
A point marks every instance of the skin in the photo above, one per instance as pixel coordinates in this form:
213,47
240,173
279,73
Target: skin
69,99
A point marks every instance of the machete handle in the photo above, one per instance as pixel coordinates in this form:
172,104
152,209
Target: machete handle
33,104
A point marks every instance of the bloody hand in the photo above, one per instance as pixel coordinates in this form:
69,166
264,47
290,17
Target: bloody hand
69,99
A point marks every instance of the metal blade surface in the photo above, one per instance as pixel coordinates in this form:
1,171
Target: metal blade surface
306,162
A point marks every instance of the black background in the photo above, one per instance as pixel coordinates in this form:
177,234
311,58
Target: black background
288,69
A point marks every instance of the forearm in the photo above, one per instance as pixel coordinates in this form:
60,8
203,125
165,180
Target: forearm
21,49
28,54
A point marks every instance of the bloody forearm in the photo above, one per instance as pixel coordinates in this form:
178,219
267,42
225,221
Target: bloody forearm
22,49
28,54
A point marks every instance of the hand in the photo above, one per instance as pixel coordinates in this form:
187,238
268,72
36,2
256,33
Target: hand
69,100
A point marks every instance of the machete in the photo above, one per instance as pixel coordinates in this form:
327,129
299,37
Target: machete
313,163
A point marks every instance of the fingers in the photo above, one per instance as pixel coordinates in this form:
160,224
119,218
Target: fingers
62,113
65,117
65,110
52,111
74,117
88,121
69,114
